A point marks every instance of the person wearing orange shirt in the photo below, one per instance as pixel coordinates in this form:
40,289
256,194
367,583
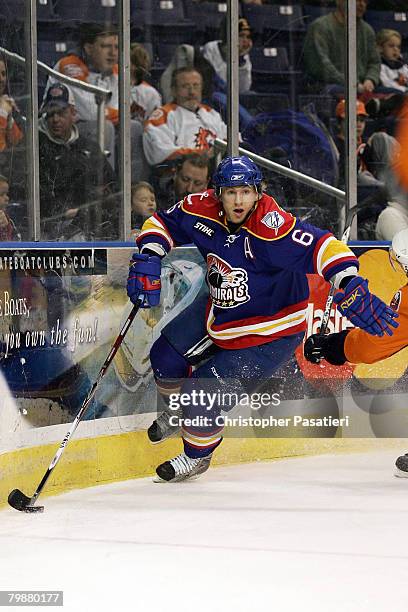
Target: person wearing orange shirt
10,133
356,346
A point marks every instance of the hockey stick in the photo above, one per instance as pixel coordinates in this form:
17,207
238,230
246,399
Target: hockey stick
22,502
345,238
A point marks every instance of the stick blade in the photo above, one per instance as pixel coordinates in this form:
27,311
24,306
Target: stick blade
21,502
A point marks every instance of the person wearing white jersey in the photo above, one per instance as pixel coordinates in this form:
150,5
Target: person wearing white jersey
144,98
215,52
185,125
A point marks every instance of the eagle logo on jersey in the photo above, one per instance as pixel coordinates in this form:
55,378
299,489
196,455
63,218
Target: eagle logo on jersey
273,220
204,139
228,286
396,301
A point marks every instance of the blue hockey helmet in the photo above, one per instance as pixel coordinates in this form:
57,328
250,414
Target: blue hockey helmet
237,171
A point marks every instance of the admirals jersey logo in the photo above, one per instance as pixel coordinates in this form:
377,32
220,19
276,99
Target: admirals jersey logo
228,286
273,220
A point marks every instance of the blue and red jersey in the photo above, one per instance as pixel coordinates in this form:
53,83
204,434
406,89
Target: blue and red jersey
256,276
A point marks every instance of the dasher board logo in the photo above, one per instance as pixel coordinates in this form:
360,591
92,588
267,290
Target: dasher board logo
228,286
273,220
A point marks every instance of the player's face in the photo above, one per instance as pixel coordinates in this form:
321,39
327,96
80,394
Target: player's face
188,90
391,49
4,197
190,179
238,201
3,78
103,53
143,202
60,121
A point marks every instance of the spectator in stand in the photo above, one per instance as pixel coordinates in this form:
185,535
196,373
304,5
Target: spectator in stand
143,203
394,71
8,230
325,52
215,52
340,139
10,132
192,175
144,97
96,62
76,182
185,125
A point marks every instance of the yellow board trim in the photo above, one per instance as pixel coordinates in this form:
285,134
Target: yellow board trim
105,459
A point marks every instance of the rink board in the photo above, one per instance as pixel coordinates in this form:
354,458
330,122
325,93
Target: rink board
60,310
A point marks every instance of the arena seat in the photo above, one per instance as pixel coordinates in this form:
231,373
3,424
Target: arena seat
91,11
257,103
13,10
388,19
266,19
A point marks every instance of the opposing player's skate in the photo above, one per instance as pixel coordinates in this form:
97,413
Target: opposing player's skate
402,466
182,468
162,427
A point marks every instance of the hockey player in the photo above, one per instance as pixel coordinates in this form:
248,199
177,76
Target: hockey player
257,259
356,346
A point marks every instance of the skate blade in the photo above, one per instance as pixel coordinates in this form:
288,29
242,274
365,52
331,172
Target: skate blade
157,479
400,473
173,435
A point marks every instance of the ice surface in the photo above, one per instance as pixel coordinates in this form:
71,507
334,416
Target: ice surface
326,533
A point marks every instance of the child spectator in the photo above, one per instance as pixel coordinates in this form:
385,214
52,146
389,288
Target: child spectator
7,228
144,98
394,71
10,133
143,203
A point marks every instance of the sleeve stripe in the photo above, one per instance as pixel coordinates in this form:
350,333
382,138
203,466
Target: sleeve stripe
155,232
334,260
321,250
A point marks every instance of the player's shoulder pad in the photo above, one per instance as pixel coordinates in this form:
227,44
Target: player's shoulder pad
159,115
269,221
205,205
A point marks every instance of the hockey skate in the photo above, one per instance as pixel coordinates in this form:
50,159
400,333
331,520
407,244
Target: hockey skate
402,466
161,428
182,468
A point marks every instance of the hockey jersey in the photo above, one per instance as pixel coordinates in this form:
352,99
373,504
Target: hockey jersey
173,130
401,165
144,99
360,347
211,52
10,133
256,276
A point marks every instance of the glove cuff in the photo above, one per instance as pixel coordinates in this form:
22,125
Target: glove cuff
334,348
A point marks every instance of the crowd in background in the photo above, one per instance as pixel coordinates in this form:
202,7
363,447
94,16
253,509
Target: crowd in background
178,108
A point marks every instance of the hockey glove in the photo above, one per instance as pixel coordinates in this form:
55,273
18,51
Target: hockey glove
329,347
364,309
144,279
